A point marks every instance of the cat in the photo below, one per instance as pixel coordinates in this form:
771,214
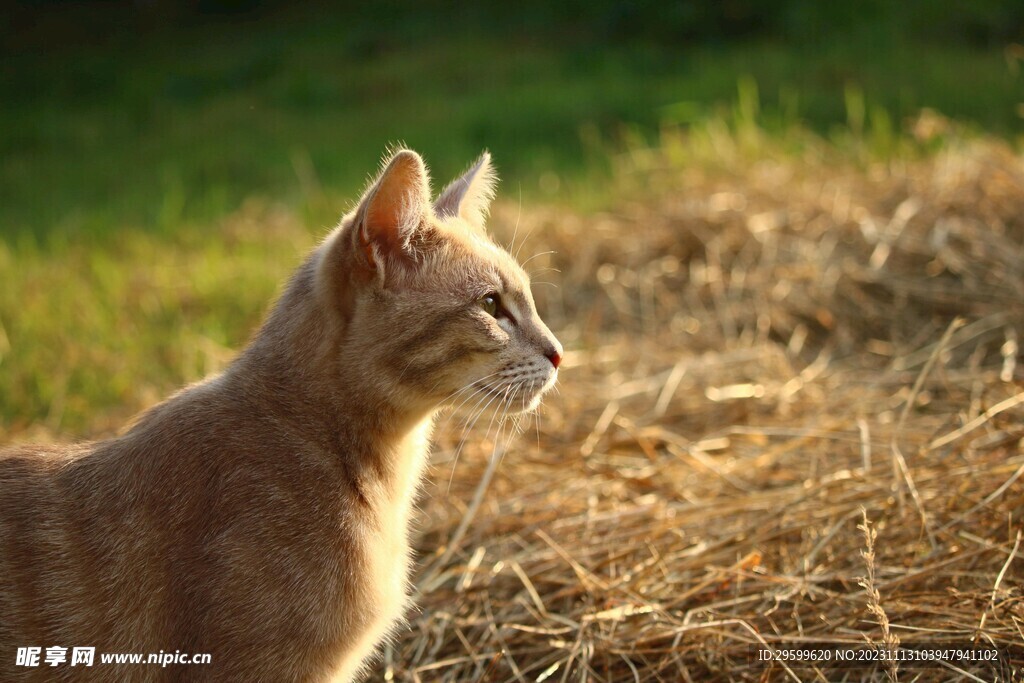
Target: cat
261,516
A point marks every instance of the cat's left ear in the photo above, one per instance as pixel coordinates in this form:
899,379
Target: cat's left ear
393,209
469,197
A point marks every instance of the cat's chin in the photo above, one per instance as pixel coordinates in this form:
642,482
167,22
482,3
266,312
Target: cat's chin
534,402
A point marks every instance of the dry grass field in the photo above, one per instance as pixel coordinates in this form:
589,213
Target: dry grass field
791,409
791,414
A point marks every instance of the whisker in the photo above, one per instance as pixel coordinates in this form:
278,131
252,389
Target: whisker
451,397
522,244
482,392
479,395
536,424
491,422
406,368
472,384
511,434
519,214
465,435
539,253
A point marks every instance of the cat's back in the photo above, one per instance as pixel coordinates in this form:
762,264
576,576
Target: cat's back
93,549
40,544
29,504
32,502
207,527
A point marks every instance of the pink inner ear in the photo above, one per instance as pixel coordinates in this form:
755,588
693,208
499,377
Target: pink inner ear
395,205
383,224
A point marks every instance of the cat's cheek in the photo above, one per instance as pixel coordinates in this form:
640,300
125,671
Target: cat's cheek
506,326
499,337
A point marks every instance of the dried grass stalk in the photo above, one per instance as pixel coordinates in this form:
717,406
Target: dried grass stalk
743,345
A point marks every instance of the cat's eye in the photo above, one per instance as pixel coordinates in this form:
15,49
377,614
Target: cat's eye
491,305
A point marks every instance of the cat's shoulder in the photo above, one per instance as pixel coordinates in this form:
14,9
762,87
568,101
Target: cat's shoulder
41,456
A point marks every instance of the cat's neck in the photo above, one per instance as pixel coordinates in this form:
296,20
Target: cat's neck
308,374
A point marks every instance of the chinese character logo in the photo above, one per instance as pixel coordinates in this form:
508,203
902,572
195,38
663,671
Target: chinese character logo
28,656
56,655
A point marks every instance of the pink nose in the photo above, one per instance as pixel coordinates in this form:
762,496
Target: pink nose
555,358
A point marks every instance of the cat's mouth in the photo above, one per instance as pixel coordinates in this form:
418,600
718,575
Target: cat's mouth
504,394
518,395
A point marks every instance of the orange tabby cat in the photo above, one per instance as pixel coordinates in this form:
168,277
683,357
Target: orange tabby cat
261,516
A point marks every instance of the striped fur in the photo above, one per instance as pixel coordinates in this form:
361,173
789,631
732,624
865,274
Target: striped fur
261,516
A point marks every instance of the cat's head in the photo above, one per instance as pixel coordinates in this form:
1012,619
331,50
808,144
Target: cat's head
439,313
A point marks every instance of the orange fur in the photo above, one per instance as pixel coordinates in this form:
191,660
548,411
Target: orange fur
261,516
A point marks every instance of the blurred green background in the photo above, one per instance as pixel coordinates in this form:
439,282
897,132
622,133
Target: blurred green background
152,113
164,165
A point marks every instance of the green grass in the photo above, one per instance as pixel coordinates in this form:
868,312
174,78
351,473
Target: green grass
89,335
181,127
94,330
119,162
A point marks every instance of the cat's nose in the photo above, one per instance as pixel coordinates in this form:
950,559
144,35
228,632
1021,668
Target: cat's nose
553,353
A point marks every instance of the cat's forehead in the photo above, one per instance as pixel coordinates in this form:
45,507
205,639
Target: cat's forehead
486,259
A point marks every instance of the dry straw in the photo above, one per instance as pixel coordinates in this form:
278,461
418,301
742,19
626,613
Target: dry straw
760,358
